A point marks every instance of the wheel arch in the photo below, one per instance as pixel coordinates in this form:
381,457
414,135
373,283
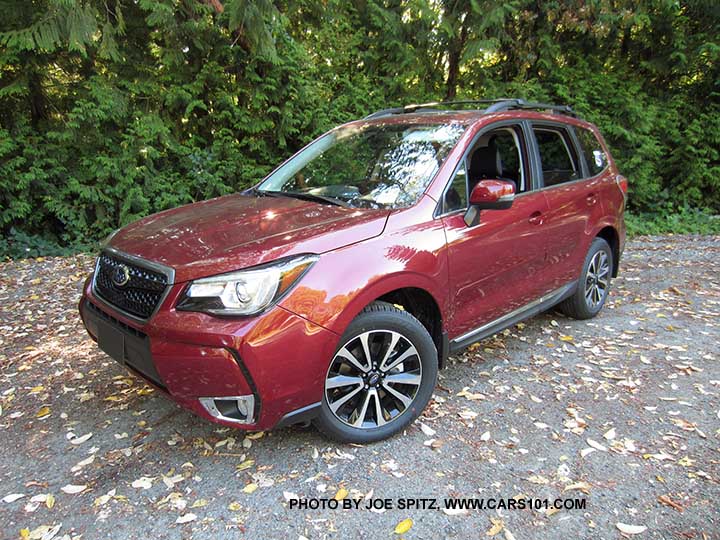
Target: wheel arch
423,306
611,236
412,292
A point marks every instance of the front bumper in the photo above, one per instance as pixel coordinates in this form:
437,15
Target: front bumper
278,359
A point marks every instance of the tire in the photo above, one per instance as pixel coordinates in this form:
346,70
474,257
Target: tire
596,271
361,403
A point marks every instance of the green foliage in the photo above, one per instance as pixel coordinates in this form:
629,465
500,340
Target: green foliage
111,110
684,221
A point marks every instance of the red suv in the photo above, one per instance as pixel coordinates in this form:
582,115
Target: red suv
335,289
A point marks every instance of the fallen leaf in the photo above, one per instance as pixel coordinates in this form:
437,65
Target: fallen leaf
12,497
250,488
187,518
143,482
72,489
667,501
245,464
80,440
404,526
538,479
497,527
609,434
454,511
44,532
341,494
596,445
631,529
582,486
427,430
43,412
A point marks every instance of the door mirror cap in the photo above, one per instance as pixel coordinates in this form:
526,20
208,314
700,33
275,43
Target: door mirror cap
489,195
493,195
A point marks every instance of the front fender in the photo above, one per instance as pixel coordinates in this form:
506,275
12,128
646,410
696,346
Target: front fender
345,281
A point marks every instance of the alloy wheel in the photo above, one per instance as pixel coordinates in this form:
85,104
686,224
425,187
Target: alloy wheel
597,280
373,379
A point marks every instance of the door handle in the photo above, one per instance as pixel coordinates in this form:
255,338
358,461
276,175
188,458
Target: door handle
591,199
536,218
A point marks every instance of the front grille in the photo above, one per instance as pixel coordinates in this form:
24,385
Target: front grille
141,294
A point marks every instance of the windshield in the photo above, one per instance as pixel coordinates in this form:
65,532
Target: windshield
375,166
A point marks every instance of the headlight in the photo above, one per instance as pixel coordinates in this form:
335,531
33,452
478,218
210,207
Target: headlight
245,292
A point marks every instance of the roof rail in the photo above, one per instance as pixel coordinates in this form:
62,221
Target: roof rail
430,106
494,106
509,104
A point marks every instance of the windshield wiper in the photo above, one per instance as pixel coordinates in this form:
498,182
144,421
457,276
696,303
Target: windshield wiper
306,197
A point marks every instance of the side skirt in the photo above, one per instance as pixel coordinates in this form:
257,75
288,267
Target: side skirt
493,327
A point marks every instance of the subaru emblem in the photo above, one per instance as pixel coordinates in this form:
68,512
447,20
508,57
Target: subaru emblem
120,275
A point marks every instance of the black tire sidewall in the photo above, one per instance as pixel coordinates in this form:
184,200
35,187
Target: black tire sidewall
389,318
598,244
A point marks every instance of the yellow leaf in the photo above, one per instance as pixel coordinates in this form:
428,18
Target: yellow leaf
552,511
50,500
43,412
566,338
245,464
686,461
24,533
341,494
582,486
404,526
234,506
37,389
497,527
250,488
255,436
199,503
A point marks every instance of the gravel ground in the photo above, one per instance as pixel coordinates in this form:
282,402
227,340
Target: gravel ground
622,412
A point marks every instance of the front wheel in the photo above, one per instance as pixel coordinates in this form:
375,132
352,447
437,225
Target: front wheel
594,284
381,377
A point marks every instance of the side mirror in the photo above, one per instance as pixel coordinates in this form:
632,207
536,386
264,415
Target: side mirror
489,195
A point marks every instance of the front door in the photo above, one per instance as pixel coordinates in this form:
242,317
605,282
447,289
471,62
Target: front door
495,266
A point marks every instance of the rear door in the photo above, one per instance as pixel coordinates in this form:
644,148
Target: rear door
573,202
494,265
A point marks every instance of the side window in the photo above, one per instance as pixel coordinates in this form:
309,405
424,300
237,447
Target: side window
557,155
456,194
594,154
498,154
507,144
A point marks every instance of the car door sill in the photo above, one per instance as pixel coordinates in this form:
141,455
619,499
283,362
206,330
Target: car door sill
528,310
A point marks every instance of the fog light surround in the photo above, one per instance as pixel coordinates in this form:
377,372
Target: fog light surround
237,409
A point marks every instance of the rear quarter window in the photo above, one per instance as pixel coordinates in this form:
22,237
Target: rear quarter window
595,156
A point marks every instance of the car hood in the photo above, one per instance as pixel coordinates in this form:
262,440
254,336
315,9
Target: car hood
239,231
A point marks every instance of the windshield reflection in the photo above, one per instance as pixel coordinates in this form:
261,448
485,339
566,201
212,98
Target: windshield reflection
367,165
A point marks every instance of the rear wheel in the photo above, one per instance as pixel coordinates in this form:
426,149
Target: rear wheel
381,377
594,285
